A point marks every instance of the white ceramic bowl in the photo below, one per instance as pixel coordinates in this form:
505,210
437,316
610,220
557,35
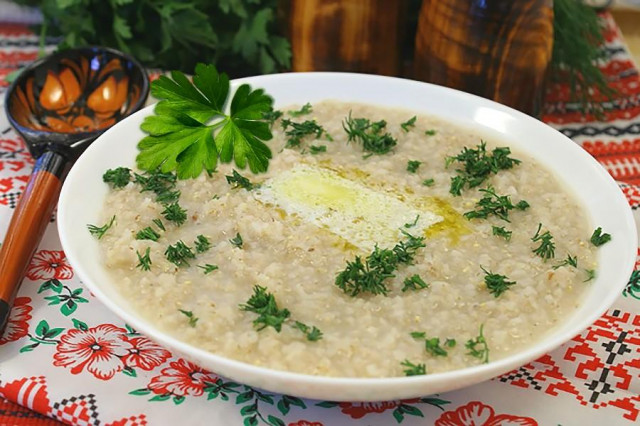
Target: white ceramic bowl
83,194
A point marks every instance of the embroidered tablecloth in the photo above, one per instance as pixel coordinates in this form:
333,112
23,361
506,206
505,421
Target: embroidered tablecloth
67,357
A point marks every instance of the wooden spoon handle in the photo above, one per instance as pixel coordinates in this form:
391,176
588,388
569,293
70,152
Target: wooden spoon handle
27,225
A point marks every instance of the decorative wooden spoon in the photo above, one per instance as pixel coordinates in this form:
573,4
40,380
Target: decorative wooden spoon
59,105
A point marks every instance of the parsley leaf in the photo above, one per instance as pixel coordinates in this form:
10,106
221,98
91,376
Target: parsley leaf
598,238
180,137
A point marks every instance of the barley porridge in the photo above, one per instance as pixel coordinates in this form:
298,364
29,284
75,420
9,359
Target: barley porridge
472,289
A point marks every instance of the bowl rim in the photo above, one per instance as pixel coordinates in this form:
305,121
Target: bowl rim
483,371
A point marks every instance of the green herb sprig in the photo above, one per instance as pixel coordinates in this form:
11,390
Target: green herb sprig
546,249
407,125
99,231
179,254
371,135
494,204
180,136
413,165
478,347
598,238
174,213
295,132
193,320
304,110
144,261
496,283
239,181
412,369
477,165
118,177
414,282
147,233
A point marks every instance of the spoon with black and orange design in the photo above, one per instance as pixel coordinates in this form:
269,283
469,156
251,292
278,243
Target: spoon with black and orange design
59,105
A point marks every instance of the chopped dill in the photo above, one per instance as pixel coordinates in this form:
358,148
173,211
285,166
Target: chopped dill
237,241
147,234
430,132
428,182
412,224
372,136
118,177
208,268
264,305
144,261
202,244
317,149
174,213
502,232
496,283
179,253
162,184
159,224
546,249
306,109
569,261
414,283
313,334
494,204
295,132
99,231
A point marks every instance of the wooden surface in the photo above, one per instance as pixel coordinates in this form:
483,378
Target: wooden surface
355,35
498,49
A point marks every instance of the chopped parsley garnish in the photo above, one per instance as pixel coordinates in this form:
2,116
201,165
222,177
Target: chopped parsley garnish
179,253
313,333
144,261
450,343
372,136
414,283
202,244
264,305
418,335
317,149
190,129
546,249
159,224
430,132
306,109
428,182
99,231
494,204
591,274
412,369
237,241
478,347
502,232
118,177
433,347
174,213
298,131
369,276
147,234
208,268
569,261
412,224
478,165
271,116
192,318
409,123
412,166
162,184
239,181
496,283
598,238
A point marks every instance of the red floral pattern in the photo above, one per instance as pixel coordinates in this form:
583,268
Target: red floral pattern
49,265
18,325
476,413
145,354
357,410
98,349
182,378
